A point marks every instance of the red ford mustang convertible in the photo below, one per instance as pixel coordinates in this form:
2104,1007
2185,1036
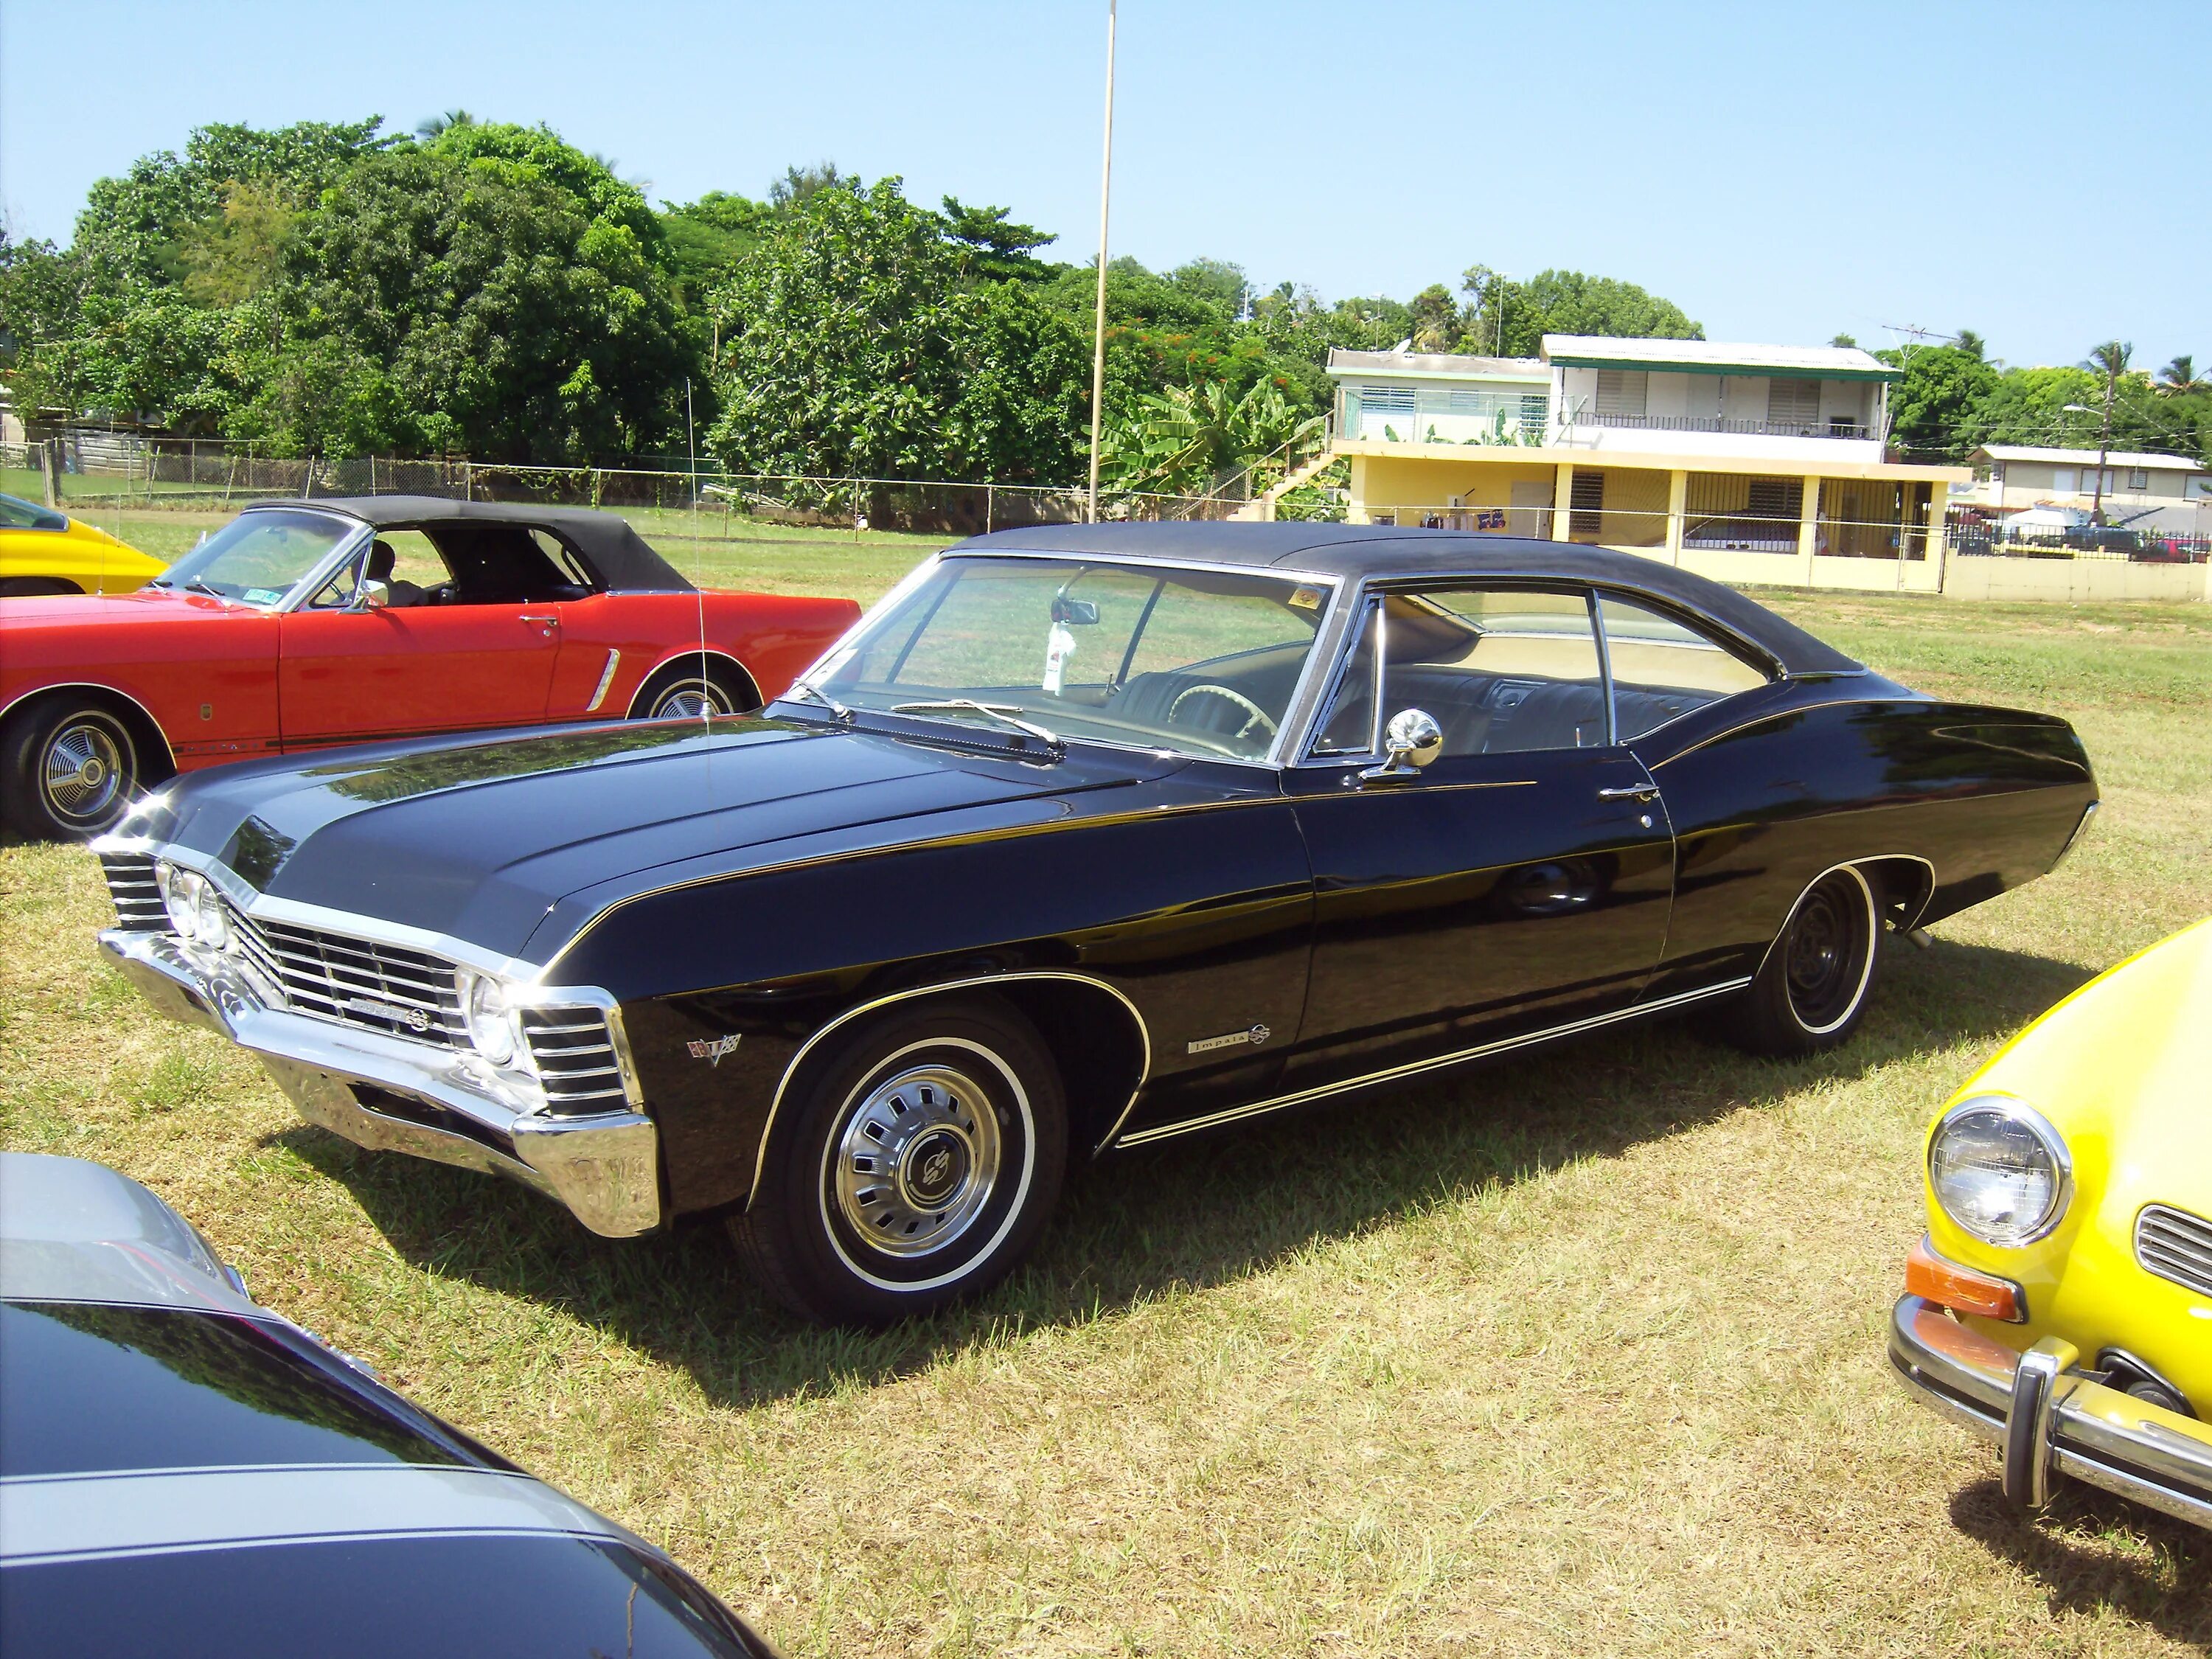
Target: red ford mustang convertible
303,624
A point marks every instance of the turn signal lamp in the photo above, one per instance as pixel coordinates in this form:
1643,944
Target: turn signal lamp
1962,1289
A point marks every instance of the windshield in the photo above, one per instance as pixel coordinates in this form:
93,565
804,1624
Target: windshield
259,557
16,514
1200,662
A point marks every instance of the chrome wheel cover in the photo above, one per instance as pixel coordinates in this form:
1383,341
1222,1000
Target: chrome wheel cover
83,773
918,1160
689,700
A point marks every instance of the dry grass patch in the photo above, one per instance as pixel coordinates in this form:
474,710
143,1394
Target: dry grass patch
1578,1354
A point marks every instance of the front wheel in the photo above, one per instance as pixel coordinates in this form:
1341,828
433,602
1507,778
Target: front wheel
915,1167
1812,989
690,694
71,769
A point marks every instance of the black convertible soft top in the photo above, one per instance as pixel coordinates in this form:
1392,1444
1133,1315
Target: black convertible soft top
617,554
1357,550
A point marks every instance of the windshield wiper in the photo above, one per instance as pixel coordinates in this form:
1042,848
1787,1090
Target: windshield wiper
200,585
802,689
1003,712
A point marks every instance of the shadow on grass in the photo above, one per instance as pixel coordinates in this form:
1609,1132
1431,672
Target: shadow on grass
1181,1215
2094,1552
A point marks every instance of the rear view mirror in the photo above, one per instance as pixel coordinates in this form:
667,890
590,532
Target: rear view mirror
371,595
1075,613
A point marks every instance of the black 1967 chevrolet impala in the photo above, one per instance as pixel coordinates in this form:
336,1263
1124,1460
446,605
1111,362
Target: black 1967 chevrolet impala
1084,837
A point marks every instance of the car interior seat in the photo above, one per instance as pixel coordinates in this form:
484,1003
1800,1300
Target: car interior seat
381,561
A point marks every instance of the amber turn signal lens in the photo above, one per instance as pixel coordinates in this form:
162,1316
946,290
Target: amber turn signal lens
1962,1289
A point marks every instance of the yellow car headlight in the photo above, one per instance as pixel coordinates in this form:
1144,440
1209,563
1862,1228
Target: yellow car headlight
2000,1171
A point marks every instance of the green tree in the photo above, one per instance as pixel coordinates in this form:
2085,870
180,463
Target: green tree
239,252
1188,441
1937,411
991,247
1513,317
463,295
1435,320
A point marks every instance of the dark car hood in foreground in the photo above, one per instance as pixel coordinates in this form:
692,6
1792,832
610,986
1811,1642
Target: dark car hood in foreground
480,841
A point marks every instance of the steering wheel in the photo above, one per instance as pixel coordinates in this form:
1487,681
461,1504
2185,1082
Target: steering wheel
1260,717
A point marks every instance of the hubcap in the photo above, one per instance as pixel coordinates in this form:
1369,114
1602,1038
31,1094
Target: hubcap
1824,948
918,1160
83,772
692,701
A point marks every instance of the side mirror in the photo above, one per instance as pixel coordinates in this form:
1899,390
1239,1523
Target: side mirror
371,595
1075,613
1411,740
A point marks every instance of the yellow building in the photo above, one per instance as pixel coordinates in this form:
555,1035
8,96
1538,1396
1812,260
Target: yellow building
1745,463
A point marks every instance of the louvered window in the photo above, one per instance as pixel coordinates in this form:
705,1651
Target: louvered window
1621,391
1793,403
1586,504
1386,399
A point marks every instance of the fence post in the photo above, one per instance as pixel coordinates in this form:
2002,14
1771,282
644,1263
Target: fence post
989,502
1808,528
468,481
46,471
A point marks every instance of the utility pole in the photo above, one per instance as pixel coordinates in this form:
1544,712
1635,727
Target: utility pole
1098,319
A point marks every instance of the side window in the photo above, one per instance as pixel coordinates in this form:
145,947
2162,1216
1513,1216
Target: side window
1662,668
1502,671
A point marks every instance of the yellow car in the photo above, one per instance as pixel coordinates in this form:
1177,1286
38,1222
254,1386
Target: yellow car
2062,1302
43,552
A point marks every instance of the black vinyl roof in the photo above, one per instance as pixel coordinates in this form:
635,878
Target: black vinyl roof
620,557
1361,551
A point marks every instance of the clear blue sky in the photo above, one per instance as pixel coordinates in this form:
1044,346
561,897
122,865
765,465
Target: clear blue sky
1783,172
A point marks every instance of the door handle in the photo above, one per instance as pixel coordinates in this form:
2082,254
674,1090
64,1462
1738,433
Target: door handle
547,623
1631,792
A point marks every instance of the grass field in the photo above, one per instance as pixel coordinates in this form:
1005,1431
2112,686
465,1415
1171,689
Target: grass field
1576,1355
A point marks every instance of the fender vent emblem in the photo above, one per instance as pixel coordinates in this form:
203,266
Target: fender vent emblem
711,1048
1256,1036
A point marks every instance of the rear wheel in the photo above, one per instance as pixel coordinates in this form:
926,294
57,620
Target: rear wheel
72,769
688,694
1812,989
915,1167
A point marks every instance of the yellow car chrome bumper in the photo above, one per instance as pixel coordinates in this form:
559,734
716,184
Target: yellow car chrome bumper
2050,1419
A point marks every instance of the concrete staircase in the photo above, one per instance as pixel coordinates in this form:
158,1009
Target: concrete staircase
1261,507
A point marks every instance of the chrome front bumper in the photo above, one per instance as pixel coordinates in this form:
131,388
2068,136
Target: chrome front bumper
2051,1419
392,1094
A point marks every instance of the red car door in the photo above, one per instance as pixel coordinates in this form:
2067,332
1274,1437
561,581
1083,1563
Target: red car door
352,676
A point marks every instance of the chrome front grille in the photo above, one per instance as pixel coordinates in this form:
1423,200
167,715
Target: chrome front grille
137,897
573,1050
359,982
2176,1245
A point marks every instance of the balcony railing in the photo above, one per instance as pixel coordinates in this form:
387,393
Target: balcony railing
1830,429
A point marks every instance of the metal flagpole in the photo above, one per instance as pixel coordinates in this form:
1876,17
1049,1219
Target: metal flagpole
1098,320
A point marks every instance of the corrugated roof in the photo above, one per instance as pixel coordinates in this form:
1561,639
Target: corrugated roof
1716,357
2075,457
1449,365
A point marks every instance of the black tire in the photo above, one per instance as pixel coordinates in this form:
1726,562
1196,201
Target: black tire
72,768
681,691
843,1234
1813,988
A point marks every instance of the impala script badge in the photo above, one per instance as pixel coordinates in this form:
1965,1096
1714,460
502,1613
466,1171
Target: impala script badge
1255,1036
711,1048
414,1019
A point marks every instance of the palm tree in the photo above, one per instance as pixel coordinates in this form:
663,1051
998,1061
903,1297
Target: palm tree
2180,376
439,124
1970,343
2110,359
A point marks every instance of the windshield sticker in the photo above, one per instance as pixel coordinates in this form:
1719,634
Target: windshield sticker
262,595
1306,599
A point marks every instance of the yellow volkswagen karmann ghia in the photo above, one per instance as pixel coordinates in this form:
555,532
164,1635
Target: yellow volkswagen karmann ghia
2061,1303
44,552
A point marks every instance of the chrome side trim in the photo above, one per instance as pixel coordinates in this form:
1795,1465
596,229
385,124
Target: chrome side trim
1414,1068
606,679
88,1517
791,1070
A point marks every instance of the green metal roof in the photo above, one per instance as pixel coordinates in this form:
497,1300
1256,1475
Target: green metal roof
1770,370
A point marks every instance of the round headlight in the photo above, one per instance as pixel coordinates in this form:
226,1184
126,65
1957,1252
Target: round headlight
212,916
180,897
1999,1169
483,1006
